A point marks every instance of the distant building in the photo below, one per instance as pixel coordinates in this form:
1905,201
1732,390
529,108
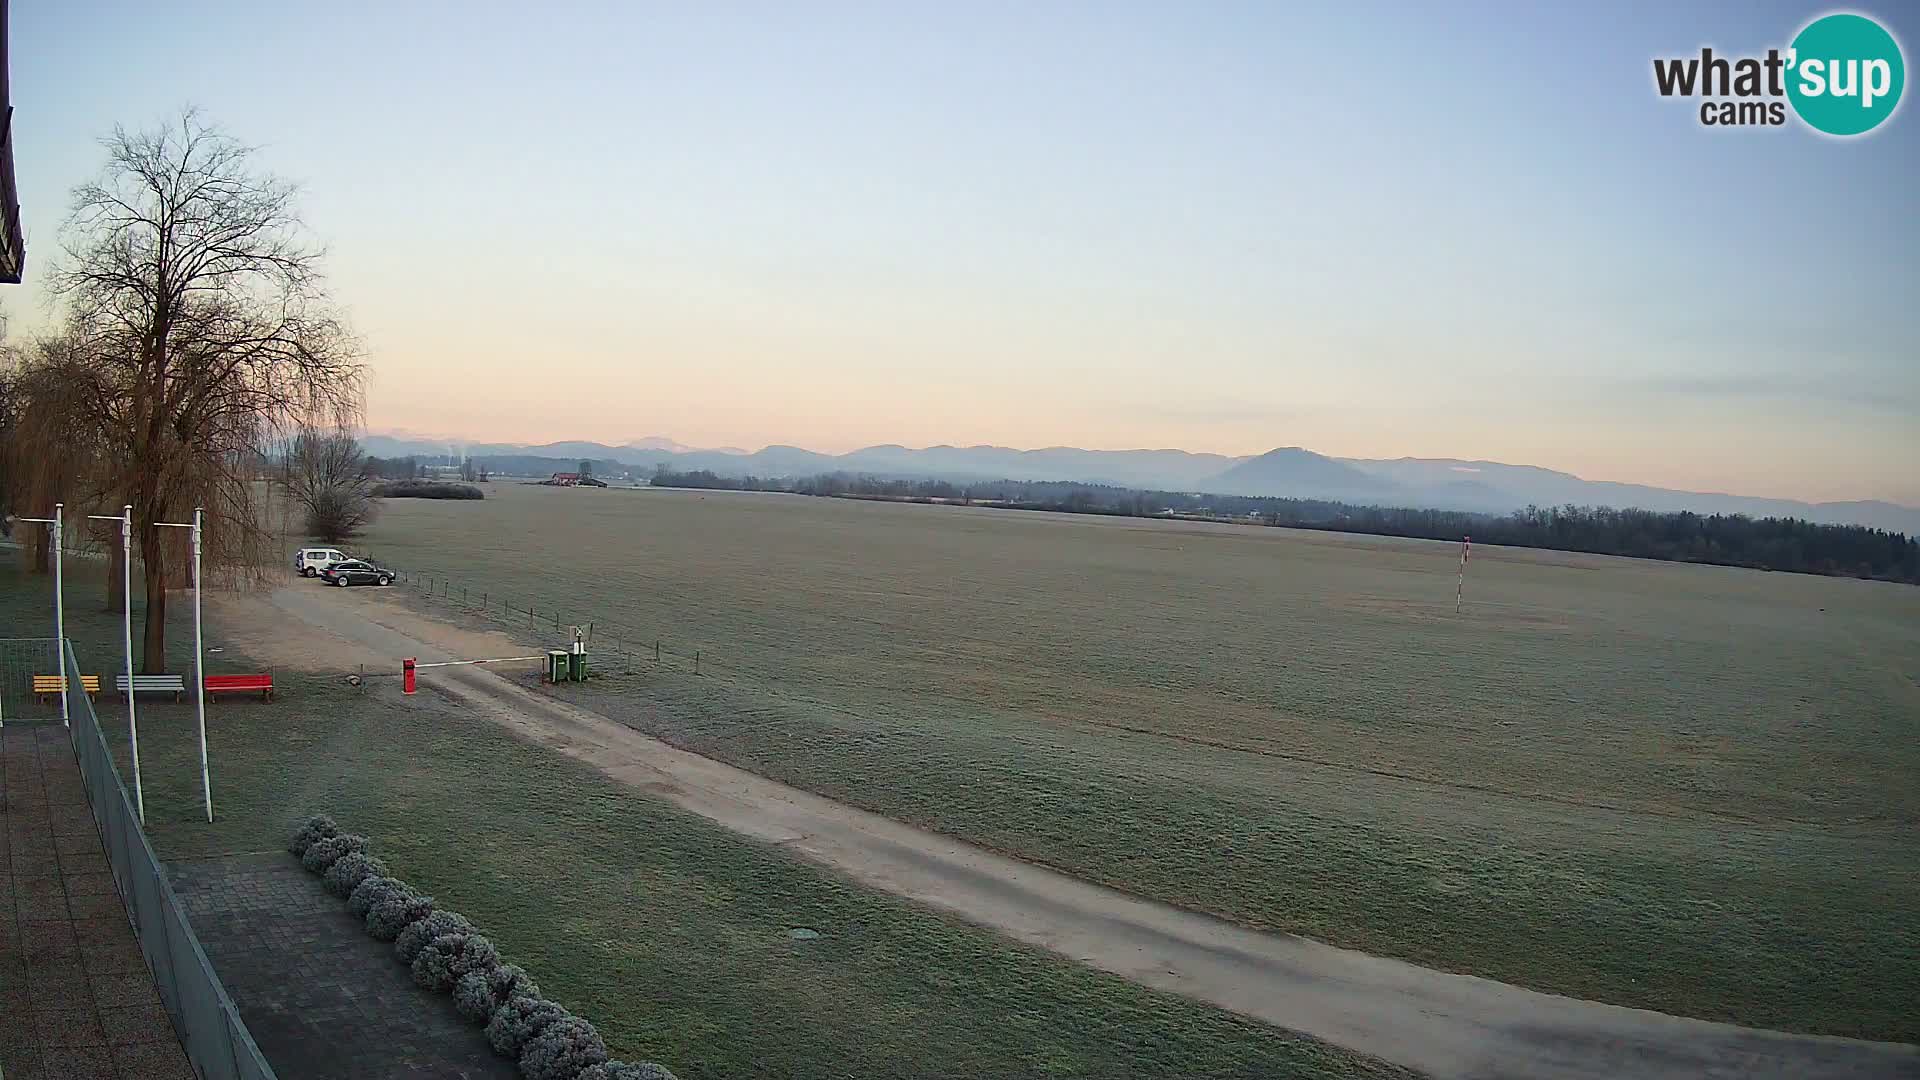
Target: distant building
565,479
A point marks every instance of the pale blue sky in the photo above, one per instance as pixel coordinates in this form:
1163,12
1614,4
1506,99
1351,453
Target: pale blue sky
1436,230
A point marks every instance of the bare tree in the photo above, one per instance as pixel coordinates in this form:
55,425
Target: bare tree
327,477
194,298
12,400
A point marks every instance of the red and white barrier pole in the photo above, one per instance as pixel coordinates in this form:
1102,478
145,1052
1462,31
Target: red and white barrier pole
406,676
1466,547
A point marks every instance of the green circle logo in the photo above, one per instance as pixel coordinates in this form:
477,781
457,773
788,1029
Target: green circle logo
1845,74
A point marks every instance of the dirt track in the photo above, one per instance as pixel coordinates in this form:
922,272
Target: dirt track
1447,1025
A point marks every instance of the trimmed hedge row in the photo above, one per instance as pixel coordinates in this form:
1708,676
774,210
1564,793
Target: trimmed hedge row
448,953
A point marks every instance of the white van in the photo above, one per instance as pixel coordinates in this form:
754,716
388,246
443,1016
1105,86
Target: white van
310,561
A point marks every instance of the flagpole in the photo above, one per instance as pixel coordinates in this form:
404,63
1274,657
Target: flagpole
59,604
60,614
199,654
199,665
125,519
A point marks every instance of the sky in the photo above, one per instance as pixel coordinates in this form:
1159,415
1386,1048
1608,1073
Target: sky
1459,230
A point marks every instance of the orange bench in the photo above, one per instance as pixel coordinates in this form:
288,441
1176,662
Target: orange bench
233,684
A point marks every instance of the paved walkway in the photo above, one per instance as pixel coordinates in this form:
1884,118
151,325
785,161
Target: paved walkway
302,970
76,999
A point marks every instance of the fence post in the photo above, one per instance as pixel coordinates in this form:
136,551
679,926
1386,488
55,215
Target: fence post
656,650
696,661
229,1015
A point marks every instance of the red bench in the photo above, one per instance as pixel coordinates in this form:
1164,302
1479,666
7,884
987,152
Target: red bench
231,684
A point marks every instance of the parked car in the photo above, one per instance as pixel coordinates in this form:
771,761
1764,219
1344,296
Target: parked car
356,572
310,561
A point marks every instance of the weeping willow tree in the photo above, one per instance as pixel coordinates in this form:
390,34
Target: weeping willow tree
196,324
50,456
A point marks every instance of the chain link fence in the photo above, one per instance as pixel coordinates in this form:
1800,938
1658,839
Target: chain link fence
20,660
216,1041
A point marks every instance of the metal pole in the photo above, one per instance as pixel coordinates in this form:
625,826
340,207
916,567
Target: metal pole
59,603
126,634
199,665
199,654
1466,546
60,614
126,640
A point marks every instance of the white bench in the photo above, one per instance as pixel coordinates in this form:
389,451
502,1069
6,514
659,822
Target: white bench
152,684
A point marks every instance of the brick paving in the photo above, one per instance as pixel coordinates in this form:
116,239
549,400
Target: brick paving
321,997
76,999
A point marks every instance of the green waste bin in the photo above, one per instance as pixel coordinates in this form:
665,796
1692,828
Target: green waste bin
558,669
578,666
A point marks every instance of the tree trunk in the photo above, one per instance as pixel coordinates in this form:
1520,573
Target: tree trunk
42,547
154,572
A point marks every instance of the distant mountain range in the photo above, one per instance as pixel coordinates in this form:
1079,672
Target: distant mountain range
1447,483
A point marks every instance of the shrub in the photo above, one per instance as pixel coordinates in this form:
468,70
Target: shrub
348,871
515,1023
316,829
479,993
562,1049
324,853
450,957
426,489
620,1070
340,513
325,473
433,964
396,911
420,933
371,889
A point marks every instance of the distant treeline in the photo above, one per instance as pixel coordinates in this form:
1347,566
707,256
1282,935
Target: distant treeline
1770,543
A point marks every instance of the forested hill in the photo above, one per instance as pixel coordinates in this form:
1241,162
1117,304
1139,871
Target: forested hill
1788,544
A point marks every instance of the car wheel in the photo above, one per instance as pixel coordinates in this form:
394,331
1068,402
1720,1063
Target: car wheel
340,581
386,581
306,571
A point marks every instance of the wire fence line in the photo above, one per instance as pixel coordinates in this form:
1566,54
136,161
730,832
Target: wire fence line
634,644
215,1038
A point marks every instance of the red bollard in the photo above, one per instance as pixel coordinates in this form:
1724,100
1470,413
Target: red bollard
406,675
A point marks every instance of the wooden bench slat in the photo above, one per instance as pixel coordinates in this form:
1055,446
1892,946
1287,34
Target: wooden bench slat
46,686
219,684
153,684
58,683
